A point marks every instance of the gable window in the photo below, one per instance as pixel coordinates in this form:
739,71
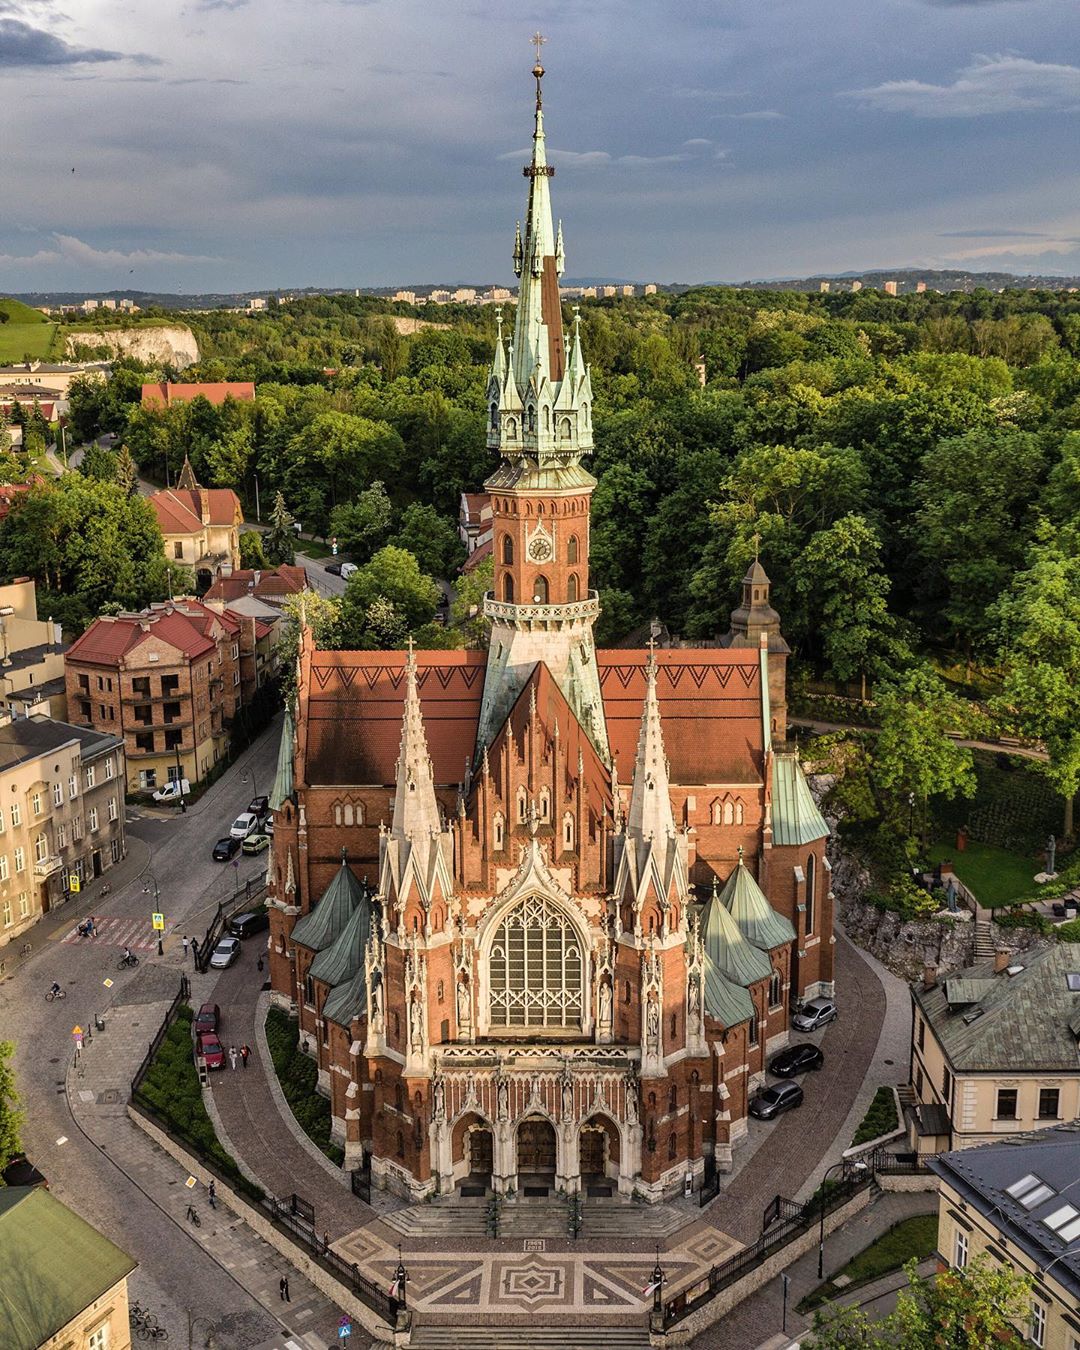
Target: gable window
58,794
535,968
572,549
507,549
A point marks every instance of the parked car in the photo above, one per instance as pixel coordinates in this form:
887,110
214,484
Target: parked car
171,792
225,849
268,825
255,843
20,1171
243,925
347,569
796,1059
814,1013
247,822
334,568
259,806
225,953
775,1098
207,1020
208,1047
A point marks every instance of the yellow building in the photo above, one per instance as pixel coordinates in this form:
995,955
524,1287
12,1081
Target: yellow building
995,1049
63,1286
1018,1203
31,655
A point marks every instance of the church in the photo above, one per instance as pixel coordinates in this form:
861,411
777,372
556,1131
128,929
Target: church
544,911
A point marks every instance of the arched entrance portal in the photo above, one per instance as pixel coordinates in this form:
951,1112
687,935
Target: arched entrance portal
536,1147
598,1150
481,1153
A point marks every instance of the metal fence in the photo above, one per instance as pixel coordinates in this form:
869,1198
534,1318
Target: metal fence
360,1180
181,996
253,892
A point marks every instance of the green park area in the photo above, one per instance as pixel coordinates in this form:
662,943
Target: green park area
24,332
915,1237
995,875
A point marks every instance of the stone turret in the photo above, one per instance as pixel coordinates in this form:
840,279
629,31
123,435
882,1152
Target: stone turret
753,619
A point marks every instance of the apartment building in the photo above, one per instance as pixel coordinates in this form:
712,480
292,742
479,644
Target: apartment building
995,1049
31,655
166,681
61,815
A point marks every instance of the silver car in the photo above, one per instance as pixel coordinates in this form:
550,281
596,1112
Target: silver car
814,1013
225,953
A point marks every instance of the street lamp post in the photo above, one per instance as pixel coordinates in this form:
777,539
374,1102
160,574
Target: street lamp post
192,1323
249,776
843,1163
157,905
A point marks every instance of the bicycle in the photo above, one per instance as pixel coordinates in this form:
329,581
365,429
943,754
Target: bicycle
150,1331
126,961
55,993
193,1216
26,949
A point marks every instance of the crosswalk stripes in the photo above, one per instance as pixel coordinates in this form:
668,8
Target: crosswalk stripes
117,932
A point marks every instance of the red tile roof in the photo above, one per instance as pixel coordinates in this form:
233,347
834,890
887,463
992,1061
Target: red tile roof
355,708
9,493
477,556
179,510
283,580
473,503
185,624
159,395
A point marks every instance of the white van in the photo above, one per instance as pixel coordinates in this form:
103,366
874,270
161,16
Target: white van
172,792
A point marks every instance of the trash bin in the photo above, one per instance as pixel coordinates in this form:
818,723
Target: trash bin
99,1022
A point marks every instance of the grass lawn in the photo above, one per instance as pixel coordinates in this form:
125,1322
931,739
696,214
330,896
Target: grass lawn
880,1117
298,1073
20,340
996,876
915,1237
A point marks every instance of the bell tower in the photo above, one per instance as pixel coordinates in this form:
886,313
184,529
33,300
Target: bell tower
540,424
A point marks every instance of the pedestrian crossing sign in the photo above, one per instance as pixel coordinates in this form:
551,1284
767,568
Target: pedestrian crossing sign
158,921
74,884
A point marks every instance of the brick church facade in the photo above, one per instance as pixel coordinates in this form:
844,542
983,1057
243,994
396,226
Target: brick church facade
543,911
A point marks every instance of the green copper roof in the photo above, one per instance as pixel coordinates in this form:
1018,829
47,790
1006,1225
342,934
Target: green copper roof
323,925
758,922
54,1266
283,780
345,955
348,1000
795,817
728,1003
728,950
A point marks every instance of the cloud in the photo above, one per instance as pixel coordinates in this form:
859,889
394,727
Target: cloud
759,115
709,95
993,234
69,249
696,148
1050,249
22,45
991,84
222,4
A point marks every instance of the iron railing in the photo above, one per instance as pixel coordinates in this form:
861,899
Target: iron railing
181,996
241,900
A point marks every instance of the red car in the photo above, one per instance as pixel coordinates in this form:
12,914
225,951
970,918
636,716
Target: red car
208,1019
210,1048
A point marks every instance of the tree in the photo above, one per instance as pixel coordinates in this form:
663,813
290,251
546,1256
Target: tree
11,1117
361,526
914,753
432,539
251,549
127,472
99,463
467,606
279,544
1038,623
319,613
977,1307
409,600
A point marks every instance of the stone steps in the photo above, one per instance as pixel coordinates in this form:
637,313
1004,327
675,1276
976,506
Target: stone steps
538,1218
532,1337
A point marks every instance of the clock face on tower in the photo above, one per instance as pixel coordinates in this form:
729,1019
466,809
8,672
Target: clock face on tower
540,548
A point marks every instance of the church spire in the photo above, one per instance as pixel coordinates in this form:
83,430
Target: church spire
650,816
416,809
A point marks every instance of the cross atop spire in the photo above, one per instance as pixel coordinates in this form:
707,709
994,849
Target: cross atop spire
538,40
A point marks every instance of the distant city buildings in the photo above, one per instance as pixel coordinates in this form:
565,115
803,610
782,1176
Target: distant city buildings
920,286
502,295
824,287
890,287
856,285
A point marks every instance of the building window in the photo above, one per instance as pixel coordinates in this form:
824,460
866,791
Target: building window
109,767
753,1030
545,804
922,1033
114,849
1048,1103
89,775
92,818
497,831
522,806
571,549
1,820
112,808
61,835
24,904
20,860
508,589
946,1086
960,1250
35,803
507,549
568,832
41,848
540,591
309,989
1037,1334
729,813
1006,1104
144,740
6,912
776,992
535,968
918,1083
572,588
3,867
73,787
738,812
99,1340
58,794
16,814
811,880
76,828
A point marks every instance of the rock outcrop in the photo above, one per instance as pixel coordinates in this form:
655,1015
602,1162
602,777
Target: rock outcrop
170,344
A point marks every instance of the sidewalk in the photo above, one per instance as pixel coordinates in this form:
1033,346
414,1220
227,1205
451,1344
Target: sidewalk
760,1317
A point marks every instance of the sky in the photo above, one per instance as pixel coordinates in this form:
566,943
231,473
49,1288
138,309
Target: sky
191,145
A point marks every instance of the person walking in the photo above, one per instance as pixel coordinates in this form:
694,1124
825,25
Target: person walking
211,1193
245,1050
187,944
232,1055
259,963
283,1289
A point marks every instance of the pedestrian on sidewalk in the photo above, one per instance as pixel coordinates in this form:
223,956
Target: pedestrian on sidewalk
187,944
211,1194
283,1289
325,1243
232,1055
259,965
91,926
245,1050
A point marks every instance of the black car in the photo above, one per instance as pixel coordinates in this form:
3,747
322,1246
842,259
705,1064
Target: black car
775,1098
243,925
225,849
259,806
334,568
796,1059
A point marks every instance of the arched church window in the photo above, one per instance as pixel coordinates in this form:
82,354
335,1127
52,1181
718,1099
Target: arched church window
497,829
540,591
811,882
775,990
535,968
508,588
440,991
565,429
729,812
717,813
672,1146
572,588
337,813
530,413
547,418
494,416
673,1098
348,813
511,427
738,812
568,831
508,549
585,413
522,806
571,549
545,804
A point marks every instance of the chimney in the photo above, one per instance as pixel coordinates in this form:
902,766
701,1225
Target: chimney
929,976
1002,957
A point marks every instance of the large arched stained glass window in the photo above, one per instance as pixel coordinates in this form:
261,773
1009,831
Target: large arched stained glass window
535,968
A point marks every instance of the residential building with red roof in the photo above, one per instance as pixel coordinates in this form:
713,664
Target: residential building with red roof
166,680
163,395
543,912
474,520
200,526
273,585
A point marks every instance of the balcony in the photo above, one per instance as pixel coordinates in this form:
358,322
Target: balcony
543,616
47,866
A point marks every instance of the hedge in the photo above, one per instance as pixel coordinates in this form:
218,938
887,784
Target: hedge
880,1117
298,1075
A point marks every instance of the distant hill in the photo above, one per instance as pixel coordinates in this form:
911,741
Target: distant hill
908,278
25,333
15,312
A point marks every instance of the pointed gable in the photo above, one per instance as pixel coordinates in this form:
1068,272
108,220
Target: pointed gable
345,955
755,918
283,778
323,925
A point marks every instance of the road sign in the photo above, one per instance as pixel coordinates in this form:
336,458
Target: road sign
344,1330
74,884
76,1031
107,983
158,921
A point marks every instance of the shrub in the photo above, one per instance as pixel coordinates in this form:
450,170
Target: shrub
298,1076
1068,932
880,1117
1023,918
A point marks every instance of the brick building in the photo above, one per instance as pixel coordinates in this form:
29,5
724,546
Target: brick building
543,911
165,680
